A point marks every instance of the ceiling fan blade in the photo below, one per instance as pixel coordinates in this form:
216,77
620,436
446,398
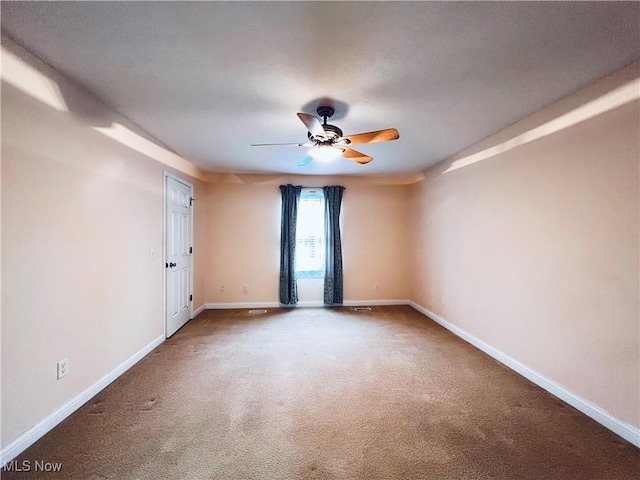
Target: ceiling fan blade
282,144
373,137
356,156
305,161
312,123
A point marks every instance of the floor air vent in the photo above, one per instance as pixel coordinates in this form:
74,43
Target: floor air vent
258,311
362,309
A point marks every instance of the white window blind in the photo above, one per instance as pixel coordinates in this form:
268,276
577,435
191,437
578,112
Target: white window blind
310,234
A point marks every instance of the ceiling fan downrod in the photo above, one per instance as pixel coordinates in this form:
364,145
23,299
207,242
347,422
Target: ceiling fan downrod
325,112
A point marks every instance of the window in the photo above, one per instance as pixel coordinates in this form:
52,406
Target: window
310,234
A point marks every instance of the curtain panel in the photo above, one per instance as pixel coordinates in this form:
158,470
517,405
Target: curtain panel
333,279
288,281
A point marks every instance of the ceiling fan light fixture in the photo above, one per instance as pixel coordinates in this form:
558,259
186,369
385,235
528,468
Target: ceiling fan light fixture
325,153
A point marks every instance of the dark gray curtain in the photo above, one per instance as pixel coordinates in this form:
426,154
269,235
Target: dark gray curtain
288,281
333,280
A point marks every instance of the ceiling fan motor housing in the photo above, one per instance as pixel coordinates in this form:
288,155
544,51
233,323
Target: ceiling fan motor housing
331,134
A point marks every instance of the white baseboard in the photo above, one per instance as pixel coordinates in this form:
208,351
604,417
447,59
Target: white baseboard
224,306
28,438
306,304
353,303
617,426
198,310
373,303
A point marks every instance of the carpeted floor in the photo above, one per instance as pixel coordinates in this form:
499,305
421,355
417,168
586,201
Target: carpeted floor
326,394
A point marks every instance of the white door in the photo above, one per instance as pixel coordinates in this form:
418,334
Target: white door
178,250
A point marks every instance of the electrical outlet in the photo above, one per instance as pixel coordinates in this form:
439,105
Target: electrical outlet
245,289
222,288
443,301
63,368
375,286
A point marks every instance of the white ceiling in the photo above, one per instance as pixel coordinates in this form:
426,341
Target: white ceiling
208,79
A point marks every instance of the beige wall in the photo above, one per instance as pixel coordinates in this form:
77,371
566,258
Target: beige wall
535,251
243,239
81,214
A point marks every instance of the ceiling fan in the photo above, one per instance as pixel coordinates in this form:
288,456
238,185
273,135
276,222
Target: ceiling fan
327,141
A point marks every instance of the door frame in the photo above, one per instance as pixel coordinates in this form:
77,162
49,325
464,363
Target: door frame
167,175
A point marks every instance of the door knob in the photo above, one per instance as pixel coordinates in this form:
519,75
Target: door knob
171,264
